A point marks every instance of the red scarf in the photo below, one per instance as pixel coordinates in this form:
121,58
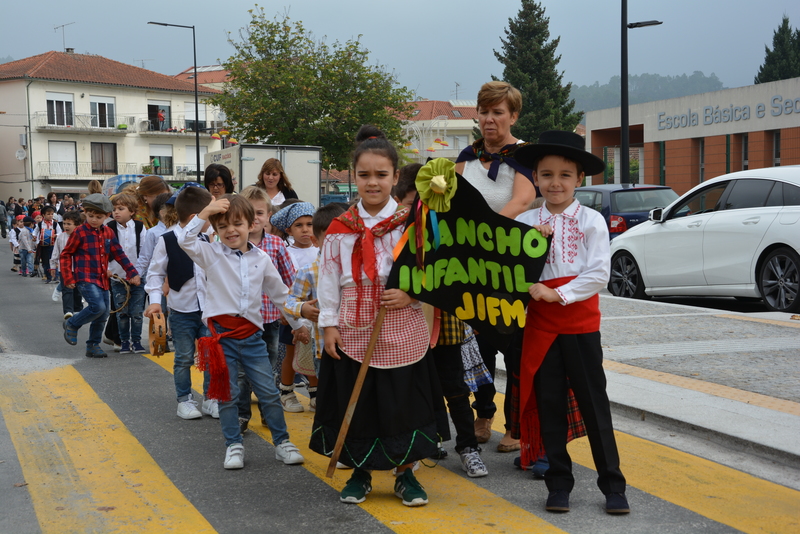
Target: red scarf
350,222
210,355
544,322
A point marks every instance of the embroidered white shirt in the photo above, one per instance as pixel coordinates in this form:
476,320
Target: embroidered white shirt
336,265
579,247
235,280
191,297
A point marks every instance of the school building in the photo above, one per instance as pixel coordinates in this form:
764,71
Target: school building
683,141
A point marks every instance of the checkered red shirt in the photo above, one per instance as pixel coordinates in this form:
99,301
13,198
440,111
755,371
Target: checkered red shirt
86,254
274,247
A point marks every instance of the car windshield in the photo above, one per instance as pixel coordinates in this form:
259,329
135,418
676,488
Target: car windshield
641,200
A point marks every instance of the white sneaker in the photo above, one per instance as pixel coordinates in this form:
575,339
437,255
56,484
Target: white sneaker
312,405
188,409
291,404
210,407
67,315
472,464
234,456
288,453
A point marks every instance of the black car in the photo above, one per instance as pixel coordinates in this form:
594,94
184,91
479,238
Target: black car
623,206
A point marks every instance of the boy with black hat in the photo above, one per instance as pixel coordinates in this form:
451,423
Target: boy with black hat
561,347
84,264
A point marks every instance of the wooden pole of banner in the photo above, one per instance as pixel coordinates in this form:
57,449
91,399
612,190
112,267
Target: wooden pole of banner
351,407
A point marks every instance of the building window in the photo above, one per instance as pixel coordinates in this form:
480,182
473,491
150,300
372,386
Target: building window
159,115
191,159
745,151
776,148
104,158
662,163
701,150
190,122
59,109
415,113
103,112
161,159
63,158
457,114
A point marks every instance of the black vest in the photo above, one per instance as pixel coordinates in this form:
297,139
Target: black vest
180,268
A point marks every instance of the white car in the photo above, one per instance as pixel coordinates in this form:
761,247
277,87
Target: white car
736,235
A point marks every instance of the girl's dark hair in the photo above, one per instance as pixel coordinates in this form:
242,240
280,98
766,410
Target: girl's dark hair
371,139
159,202
214,170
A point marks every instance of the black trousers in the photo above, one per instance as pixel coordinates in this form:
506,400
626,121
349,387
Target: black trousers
484,405
450,369
579,358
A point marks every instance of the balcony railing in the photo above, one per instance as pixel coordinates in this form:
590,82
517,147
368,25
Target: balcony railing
69,170
84,122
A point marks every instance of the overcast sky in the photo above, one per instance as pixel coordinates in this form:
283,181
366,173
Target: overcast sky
430,45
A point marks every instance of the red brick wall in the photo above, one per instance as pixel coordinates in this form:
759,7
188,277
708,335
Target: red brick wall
682,164
760,152
649,172
790,146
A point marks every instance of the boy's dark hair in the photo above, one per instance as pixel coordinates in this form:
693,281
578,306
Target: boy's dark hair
190,201
371,139
74,216
578,164
158,203
407,180
324,216
240,208
95,211
48,209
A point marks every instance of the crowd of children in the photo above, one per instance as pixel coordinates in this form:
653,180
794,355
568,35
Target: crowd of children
243,282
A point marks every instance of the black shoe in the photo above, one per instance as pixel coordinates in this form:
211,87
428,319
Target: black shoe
440,454
617,503
557,501
243,424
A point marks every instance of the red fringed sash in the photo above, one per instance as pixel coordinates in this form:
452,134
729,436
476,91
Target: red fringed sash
211,357
544,322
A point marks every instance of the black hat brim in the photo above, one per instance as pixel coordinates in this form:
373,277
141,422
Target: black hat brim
529,154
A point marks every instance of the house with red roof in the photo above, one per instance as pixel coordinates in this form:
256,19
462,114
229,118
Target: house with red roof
440,128
71,118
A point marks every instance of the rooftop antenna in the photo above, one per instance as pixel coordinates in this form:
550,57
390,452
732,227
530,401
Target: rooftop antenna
143,60
63,31
457,86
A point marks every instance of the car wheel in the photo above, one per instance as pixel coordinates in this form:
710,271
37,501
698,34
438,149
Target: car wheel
779,280
626,279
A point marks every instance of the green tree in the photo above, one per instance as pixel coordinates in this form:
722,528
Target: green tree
530,64
286,87
783,61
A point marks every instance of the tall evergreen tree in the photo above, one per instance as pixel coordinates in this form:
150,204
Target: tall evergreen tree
783,61
530,64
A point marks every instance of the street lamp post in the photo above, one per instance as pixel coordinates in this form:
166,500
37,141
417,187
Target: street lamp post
196,96
624,167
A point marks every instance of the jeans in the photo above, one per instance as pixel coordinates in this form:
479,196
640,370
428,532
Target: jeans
26,261
270,337
250,353
186,329
95,312
129,318
70,298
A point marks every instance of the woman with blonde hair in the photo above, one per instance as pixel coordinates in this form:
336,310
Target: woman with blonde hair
272,178
146,192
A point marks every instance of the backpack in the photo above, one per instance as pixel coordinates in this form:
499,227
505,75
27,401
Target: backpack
138,227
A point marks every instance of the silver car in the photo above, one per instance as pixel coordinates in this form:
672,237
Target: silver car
736,235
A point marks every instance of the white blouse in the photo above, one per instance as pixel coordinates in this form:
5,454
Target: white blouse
336,265
496,193
579,247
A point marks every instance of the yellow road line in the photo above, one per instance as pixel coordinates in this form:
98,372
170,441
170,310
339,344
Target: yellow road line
715,491
759,320
780,405
456,505
84,470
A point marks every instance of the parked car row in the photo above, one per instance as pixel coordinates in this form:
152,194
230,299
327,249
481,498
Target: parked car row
735,235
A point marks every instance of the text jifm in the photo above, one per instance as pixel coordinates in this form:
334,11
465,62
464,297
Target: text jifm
502,278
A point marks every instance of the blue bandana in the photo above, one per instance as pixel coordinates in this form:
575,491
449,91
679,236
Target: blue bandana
288,215
174,197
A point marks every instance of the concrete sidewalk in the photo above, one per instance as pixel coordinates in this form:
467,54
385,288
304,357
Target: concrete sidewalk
725,377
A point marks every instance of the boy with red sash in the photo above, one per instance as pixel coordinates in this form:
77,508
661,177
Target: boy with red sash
561,346
237,273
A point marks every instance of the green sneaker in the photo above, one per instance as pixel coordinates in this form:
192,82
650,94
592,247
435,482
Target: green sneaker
357,488
407,488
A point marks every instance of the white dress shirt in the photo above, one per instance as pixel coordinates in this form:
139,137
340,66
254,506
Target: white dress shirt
235,280
191,297
336,265
147,248
579,247
127,239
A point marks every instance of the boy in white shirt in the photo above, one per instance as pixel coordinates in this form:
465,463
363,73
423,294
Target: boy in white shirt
561,348
186,299
237,273
130,234
71,300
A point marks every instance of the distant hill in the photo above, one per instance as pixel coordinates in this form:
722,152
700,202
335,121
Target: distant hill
6,59
642,88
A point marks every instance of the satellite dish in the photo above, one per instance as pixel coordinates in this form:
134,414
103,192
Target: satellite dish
21,154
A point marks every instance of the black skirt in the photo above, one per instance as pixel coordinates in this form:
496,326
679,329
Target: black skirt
400,416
